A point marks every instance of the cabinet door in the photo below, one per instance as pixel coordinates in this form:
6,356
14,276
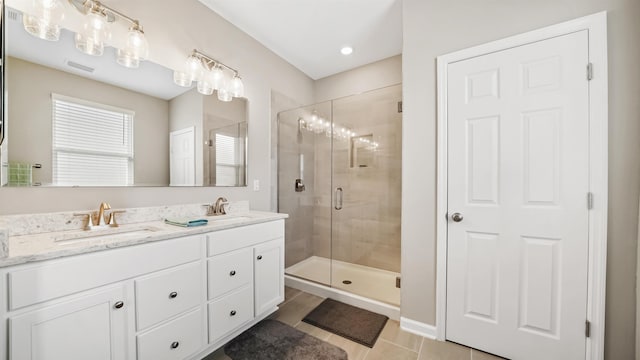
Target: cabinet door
92,327
269,275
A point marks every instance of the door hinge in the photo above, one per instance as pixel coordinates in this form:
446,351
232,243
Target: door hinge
589,200
590,71
587,328
398,282
399,106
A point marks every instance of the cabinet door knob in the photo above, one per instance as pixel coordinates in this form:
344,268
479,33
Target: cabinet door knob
175,344
118,305
259,257
232,273
232,313
173,295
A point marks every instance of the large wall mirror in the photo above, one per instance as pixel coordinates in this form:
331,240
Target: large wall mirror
74,119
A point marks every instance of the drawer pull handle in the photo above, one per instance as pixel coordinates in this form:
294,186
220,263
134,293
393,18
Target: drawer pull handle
232,313
232,273
118,305
259,257
175,344
173,295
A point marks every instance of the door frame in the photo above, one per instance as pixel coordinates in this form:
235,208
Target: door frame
596,25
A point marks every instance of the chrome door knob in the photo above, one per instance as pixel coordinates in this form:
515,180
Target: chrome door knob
457,217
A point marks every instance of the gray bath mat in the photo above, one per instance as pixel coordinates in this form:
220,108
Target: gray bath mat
359,325
273,340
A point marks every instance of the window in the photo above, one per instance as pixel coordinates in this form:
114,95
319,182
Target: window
92,143
229,160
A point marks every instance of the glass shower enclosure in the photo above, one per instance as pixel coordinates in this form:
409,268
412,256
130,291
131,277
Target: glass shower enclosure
339,179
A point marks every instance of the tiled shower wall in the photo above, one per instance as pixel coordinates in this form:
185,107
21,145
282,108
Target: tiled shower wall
366,231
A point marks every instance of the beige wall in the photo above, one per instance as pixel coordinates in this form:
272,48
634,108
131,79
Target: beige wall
173,29
432,28
372,76
29,111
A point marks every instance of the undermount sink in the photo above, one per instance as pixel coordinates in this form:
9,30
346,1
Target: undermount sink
218,218
108,233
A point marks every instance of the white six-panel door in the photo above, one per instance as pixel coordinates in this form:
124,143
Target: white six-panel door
518,145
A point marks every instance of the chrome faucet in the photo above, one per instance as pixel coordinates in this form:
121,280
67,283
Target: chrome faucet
218,208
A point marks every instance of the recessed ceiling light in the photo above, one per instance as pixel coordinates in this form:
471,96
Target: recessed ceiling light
347,50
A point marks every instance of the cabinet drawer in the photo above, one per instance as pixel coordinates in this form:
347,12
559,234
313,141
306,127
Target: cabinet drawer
168,293
230,271
174,340
228,240
230,312
32,284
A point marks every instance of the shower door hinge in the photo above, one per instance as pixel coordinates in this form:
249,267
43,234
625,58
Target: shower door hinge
398,282
399,106
590,71
589,200
587,328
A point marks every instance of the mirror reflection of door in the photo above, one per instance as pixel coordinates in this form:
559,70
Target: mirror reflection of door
183,157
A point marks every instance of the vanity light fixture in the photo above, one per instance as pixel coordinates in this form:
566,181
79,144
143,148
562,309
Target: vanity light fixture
44,17
210,76
43,20
96,32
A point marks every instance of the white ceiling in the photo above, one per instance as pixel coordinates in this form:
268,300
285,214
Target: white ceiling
310,33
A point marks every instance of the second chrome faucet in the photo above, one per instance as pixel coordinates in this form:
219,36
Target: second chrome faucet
217,208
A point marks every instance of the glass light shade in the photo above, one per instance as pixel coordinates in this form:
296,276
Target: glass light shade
194,67
136,48
181,78
128,59
236,88
217,78
205,85
224,95
95,32
43,19
137,43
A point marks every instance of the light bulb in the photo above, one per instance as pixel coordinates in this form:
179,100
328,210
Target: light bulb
43,19
95,31
236,87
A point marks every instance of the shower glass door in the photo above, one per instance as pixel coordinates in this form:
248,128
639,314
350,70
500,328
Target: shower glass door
366,179
339,179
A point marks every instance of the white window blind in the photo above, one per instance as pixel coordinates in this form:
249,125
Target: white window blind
228,160
92,143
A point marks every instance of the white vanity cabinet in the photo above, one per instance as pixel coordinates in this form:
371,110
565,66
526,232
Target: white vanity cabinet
169,299
245,276
269,275
92,326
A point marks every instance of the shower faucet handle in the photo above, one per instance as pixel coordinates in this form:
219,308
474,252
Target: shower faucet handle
299,185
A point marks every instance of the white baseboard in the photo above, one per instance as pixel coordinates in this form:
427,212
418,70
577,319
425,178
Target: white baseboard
418,328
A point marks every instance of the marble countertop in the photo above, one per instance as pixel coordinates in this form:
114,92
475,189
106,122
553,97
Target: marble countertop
49,245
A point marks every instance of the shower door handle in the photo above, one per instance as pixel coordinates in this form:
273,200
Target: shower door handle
339,197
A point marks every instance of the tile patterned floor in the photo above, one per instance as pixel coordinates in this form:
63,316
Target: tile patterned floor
393,343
